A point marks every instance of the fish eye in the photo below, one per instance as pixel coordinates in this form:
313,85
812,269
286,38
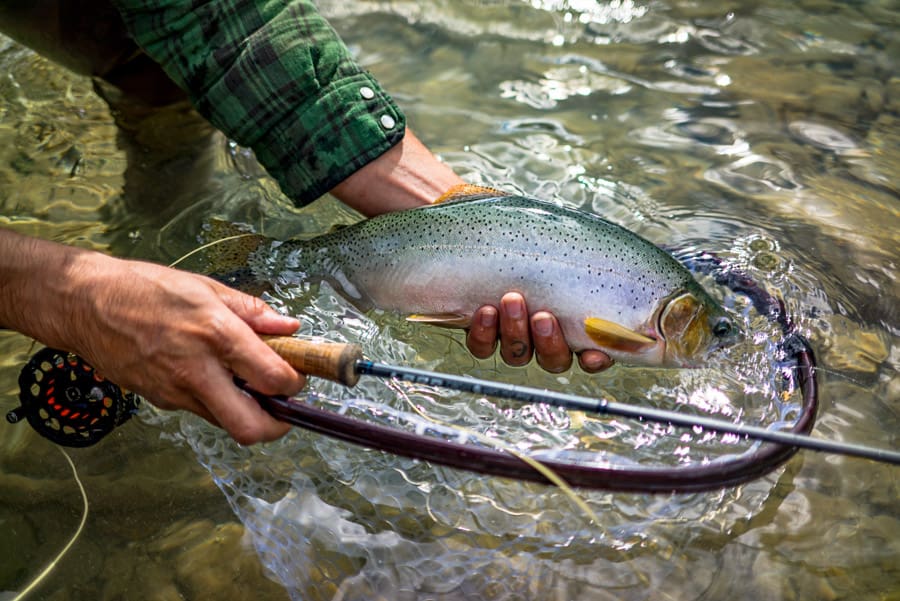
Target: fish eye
722,328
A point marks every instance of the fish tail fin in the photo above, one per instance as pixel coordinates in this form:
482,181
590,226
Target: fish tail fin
226,255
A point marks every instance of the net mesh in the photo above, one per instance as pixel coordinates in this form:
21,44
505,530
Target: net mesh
332,520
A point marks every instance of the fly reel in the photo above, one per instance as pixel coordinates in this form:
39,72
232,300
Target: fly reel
66,401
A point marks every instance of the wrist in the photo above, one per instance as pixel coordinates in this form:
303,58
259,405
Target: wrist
406,176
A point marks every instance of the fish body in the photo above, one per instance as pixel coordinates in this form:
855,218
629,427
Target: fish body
609,288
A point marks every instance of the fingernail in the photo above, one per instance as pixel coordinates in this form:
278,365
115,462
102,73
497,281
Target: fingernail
514,310
488,318
543,325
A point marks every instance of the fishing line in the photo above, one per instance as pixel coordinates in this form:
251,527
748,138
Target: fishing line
536,465
84,513
209,245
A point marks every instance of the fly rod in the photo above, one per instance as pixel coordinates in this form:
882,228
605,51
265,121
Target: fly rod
344,363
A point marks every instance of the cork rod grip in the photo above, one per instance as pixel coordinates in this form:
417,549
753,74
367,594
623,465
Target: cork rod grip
334,361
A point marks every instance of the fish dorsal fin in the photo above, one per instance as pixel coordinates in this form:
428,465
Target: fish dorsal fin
469,192
612,336
447,320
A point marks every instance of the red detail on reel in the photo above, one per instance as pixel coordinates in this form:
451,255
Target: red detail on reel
66,402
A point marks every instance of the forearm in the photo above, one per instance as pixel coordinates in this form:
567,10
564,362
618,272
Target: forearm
36,286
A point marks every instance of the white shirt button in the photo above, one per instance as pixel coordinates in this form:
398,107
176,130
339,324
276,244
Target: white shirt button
367,92
387,122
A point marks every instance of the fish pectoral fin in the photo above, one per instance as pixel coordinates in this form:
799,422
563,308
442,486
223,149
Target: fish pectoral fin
469,192
447,320
615,337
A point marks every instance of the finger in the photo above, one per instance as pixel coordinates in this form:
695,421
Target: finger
515,339
251,359
482,335
235,411
594,361
550,346
257,313
183,401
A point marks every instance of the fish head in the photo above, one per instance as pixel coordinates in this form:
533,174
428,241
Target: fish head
693,326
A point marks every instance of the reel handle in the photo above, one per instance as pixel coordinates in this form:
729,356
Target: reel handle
335,361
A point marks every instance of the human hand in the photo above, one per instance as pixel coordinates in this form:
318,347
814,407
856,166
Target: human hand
522,336
177,339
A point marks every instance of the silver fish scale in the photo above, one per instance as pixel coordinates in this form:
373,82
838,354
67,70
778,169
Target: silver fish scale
456,256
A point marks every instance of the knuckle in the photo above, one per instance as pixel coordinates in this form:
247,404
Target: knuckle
253,305
276,377
517,351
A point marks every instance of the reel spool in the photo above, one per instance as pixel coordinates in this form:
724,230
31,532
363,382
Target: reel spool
66,401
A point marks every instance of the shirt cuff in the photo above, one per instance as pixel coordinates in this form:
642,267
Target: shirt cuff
349,123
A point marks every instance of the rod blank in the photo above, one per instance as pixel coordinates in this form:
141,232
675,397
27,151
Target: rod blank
602,406
343,363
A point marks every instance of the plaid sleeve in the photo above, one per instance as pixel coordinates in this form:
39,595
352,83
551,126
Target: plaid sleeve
274,76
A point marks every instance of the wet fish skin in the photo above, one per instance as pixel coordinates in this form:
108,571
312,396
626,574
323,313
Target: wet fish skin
441,262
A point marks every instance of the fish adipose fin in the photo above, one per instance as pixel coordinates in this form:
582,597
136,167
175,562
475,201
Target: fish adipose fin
615,337
469,192
447,320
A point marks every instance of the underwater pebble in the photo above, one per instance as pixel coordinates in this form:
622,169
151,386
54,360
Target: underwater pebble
893,390
851,347
822,136
884,141
835,101
892,92
217,565
706,132
825,592
766,261
873,97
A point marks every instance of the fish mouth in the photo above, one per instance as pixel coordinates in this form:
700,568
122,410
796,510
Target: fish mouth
693,329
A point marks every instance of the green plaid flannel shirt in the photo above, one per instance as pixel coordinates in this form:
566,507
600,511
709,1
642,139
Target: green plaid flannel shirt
274,76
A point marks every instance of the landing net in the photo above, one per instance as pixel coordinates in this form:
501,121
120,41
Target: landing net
332,519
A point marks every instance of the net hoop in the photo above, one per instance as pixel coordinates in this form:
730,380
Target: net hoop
721,472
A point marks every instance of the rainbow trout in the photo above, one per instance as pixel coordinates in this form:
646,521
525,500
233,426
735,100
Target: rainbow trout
609,288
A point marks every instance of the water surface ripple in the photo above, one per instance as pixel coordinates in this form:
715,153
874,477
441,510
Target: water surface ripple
766,132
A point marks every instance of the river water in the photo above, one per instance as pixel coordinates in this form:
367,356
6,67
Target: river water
766,132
